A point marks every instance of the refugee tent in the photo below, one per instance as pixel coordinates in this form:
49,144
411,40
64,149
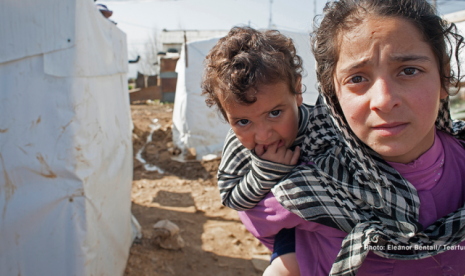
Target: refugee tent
197,126
458,100
65,140
458,18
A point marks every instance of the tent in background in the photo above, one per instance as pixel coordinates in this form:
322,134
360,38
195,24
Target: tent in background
65,141
458,100
459,19
194,124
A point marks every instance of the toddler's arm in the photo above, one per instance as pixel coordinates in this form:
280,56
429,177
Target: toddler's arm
243,178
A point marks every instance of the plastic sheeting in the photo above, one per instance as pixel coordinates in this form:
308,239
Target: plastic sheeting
30,27
461,30
196,125
65,145
100,49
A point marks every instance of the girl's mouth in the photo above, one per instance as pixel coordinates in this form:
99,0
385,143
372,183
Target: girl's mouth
391,129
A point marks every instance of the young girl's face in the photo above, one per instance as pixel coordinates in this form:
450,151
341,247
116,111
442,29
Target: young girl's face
388,85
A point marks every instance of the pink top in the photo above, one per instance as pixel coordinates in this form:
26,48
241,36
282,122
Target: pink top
439,177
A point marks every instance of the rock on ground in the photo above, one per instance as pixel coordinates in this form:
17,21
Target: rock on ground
215,241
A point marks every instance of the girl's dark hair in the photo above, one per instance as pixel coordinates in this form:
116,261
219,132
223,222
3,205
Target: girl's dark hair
245,59
343,15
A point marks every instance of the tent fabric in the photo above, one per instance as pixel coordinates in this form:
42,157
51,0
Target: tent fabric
65,146
100,48
461,30
458,18
194,124
30,27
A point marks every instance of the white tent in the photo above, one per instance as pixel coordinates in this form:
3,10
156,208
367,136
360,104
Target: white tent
194,124
459,19
65,140
457,100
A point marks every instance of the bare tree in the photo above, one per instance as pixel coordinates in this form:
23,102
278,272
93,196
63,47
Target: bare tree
148,63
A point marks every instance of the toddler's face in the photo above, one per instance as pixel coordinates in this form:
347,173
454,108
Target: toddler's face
388,85
273,118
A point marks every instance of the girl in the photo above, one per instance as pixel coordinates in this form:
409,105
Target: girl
386,194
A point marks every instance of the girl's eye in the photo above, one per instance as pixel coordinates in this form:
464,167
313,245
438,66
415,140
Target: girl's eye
409,71
243,122
356,79
275,113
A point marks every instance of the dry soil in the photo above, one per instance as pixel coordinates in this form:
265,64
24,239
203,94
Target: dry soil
216,243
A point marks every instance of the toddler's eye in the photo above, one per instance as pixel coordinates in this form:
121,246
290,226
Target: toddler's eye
243,122
409,71
275,113
356,79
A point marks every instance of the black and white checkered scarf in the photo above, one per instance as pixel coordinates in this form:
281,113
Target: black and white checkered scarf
353,189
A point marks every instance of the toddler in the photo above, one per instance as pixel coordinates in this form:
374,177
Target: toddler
254,79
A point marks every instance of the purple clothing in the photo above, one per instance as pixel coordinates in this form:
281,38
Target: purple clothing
425,171
317,245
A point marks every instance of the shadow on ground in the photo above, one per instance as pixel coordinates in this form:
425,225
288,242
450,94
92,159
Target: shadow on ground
205,237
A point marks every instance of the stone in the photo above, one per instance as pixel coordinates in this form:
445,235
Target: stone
165,228
172,243
166,235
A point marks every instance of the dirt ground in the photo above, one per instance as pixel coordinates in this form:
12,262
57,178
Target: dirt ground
216,242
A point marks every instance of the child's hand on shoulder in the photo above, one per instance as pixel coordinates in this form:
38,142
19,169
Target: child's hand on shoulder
278,155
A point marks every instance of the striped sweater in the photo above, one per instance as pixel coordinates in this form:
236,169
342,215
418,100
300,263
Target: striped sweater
243,178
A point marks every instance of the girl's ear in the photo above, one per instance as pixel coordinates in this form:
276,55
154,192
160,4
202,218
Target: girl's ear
298,89
298,85
443,94
299,99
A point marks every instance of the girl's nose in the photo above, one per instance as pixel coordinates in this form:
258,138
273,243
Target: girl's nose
384,96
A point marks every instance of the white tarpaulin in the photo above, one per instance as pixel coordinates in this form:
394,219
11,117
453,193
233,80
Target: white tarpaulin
31,27
65,141
196,125
461,30
458,18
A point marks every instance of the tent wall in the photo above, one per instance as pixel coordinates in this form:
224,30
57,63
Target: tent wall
196,125
461,30
29,27
65,146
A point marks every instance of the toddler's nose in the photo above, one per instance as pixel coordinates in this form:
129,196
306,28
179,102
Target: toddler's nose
263,133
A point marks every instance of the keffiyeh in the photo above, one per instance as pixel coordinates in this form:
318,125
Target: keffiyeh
351,188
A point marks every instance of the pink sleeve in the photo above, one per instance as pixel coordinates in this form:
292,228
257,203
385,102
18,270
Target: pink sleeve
267,219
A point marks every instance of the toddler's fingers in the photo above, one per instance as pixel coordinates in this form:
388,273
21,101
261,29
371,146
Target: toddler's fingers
282,151
295,156
272,148
287,159
259,150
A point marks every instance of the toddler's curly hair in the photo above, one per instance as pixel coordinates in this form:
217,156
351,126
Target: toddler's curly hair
245,59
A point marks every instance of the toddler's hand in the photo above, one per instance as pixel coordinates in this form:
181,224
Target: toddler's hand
278,155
